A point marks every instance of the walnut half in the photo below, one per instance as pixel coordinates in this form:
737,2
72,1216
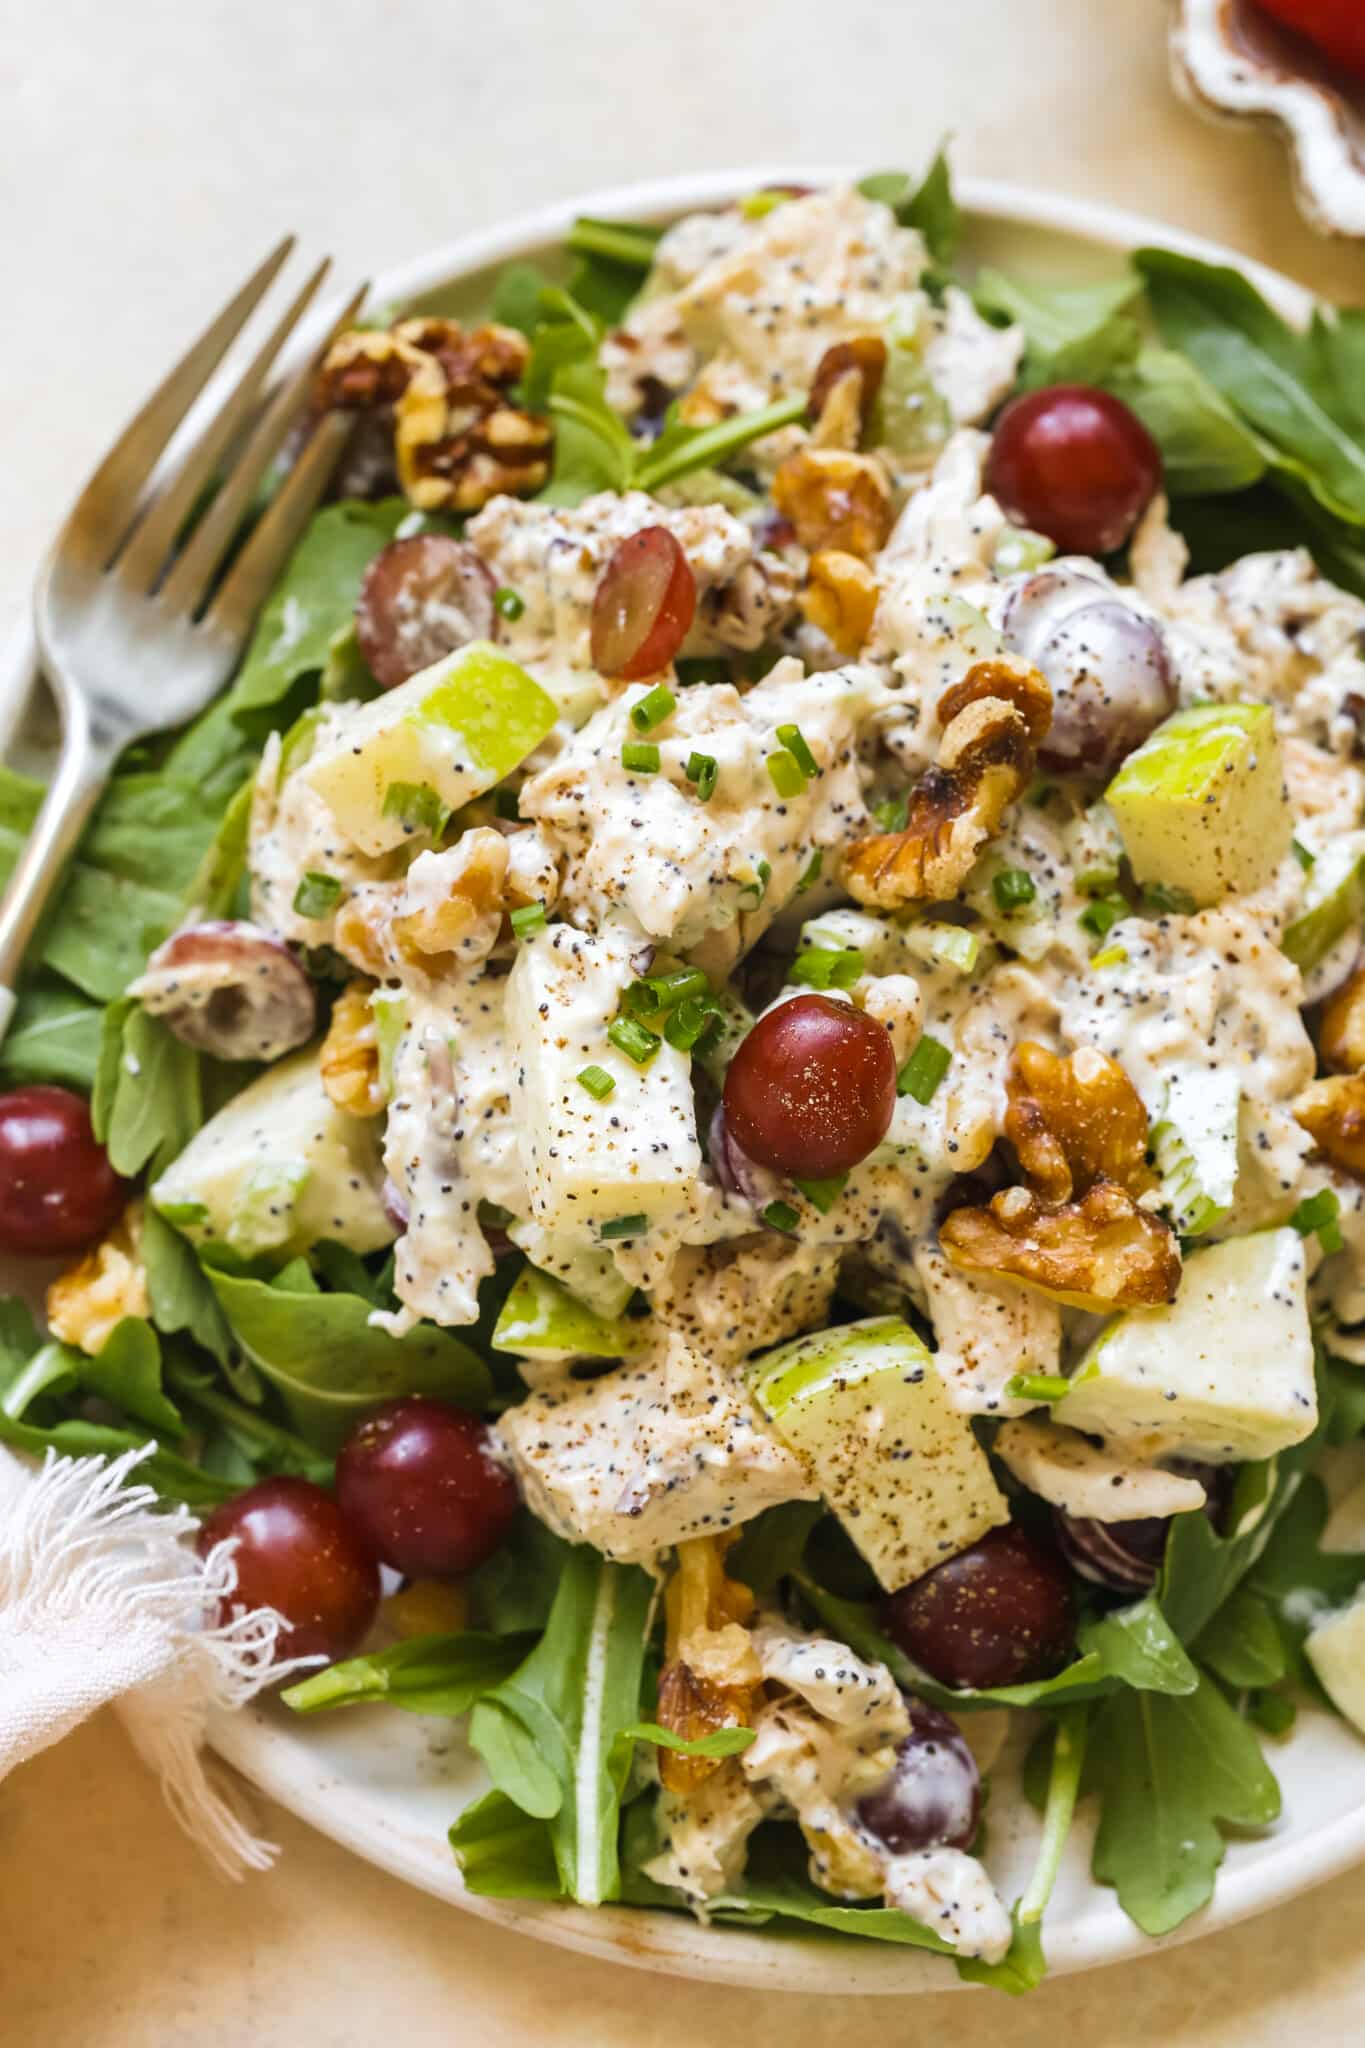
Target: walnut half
1074,1121
1332,1111
1101,1253
87,1302
1342,1037
711,1676
349,1059
985,762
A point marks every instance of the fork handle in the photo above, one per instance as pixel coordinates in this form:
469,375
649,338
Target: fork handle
82,770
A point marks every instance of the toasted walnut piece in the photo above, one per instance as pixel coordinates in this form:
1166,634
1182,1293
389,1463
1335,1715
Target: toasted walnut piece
835,499
369,367
855,369
87,1302
452,894
1333,1114
361,926
1011,680
840,598
349,1060
711,1677
985,761
1100,1253
1341,1039
1074,1121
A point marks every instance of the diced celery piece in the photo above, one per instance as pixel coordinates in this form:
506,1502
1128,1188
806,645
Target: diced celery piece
913,418
1224,1373
942,945
266,1205
1333,902
1202,806
892,946
389,1014
541,1319
1194,1145
1020,548
865,1406
970,631
457,728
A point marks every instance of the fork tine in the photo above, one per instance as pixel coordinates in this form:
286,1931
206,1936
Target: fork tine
125,469
248,584
144,554
189,583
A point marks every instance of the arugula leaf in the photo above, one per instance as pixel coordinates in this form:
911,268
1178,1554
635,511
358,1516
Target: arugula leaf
436,1674
517,297
1205,448
680,448
720,1742
1025,1966
1133,1646
54,1036
553,1734
593,447
1065,320
1297,1582
216,883
174,1478
1295,389
1242,1644
148,1099
313,599
515,1588
177,1288
773,1544
1168,1771
928,205
240,1443
326,1359
126,1371
505,1853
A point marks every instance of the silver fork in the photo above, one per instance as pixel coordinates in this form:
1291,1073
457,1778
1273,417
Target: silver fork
135,633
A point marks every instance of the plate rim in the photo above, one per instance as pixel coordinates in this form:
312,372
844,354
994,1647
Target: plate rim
277,1758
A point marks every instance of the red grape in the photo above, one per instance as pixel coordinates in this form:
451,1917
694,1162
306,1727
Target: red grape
230,990
297,1553
643,606
421,598
418,1482
995,1614
932,1799
1109,668
812,1088
1336,27
1075,464
1124,1556
58,1192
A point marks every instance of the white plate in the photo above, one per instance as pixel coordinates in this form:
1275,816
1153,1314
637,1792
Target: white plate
387,1785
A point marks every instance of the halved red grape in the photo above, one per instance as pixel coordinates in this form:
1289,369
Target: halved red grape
1124,1556
418,1481
58,1192
231,990
1110,671
421,598
812,1088
297,1553
1075,464
932,1799
995,1614
644,605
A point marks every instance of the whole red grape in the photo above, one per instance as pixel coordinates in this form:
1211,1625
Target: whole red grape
1336,27
996,1614
58,1192
297,1553
417,1480
1075,464
812,1088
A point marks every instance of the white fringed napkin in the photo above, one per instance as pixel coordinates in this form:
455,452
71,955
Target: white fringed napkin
103,1599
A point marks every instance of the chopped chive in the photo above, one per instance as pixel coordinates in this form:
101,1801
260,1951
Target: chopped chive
508,602
693,1022
506,805
1166,901
1012,888
1112,956
317,894
924,1069
1036,1386
811,874
655,993
1104,912
417,806
640,757
793,739
1318,1213
757,890
704,770
823,1194
629,1036
754,205
530,918
892,814
781,1216
826,967
598,1082
622,1226
653,708
1305,859
786,774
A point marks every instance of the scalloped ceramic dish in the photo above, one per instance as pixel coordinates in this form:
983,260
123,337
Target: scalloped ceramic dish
387,1785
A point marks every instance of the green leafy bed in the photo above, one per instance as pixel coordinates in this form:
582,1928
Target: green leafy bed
244,1371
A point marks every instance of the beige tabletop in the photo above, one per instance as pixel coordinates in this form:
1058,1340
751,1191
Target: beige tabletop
148,153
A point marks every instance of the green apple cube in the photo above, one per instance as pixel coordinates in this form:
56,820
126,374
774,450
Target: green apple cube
1224,1373
1331,906
278,1168
1201,806
593,1162
1336,1651
447,735
899,1465
541,1319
